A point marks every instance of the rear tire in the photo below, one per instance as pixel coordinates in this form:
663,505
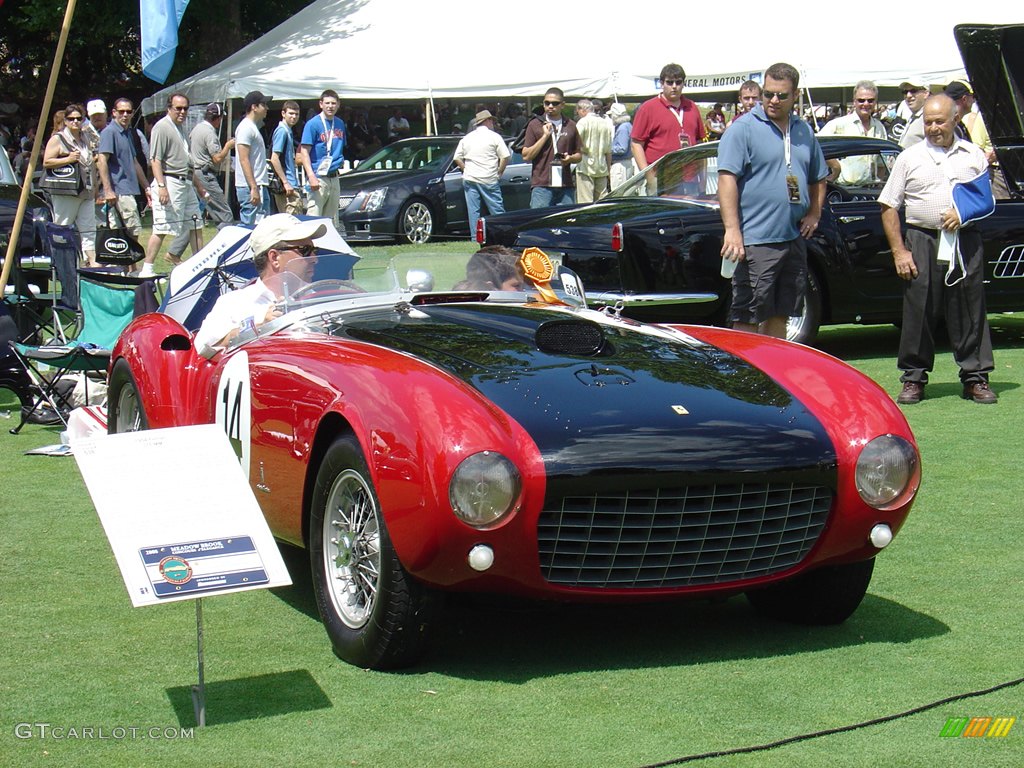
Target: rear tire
827,595
803,328
375,613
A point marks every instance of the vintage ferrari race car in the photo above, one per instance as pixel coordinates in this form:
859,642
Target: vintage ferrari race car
420,441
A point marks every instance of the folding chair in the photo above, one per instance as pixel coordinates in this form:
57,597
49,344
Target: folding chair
63,247
107,303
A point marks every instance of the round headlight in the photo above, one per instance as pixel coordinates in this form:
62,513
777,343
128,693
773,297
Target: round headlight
484,488
888,471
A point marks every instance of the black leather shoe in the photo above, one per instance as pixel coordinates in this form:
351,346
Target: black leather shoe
912,393
44,414
979,392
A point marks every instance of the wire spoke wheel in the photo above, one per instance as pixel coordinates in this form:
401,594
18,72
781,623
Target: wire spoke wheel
127,412
352,548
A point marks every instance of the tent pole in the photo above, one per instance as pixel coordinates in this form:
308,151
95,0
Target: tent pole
26,184
231,166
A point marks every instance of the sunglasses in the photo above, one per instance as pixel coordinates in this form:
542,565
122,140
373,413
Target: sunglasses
179,109
305,251
672,82
780,95
552,103
912,90
865,101
123,111
73,119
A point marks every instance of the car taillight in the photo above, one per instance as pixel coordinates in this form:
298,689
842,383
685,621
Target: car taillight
481,231
617,237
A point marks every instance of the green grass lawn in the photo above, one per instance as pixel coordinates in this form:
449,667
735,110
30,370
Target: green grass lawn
527,685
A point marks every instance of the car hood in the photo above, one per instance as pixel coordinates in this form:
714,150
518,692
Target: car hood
994,58
357,180
652,400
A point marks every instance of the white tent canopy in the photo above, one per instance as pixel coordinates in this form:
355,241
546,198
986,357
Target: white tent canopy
391,50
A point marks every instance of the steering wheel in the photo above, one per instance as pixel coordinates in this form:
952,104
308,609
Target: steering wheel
320,287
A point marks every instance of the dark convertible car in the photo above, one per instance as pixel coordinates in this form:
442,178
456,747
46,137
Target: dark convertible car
653,245
411,191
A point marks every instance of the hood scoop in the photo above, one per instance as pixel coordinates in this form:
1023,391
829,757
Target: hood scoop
572,336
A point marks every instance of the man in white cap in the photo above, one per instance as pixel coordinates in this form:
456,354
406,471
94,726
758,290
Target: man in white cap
482,156
97,112
284,257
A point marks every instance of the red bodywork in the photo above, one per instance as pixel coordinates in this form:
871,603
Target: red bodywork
415,423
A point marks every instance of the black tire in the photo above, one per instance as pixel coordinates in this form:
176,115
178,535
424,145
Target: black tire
416,222
125,412
375,613
803,328
828,595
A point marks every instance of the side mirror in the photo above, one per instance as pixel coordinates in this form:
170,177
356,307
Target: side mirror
419,280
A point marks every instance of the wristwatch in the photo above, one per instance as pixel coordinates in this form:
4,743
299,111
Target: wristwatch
161,185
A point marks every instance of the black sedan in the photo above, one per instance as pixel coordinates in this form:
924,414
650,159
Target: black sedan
654,244
411,191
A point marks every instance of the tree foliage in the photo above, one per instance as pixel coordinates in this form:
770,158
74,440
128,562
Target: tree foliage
103,55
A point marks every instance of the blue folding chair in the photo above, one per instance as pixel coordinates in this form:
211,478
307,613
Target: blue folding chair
107,302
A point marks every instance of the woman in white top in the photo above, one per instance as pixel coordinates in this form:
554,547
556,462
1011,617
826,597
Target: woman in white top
65,147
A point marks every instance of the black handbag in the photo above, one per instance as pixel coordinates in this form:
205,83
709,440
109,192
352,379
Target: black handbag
117,245
64,179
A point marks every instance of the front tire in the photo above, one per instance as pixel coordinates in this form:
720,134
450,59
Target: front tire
416,222
125,410
827,595
375,613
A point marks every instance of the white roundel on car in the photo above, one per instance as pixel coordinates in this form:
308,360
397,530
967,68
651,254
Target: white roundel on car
234,406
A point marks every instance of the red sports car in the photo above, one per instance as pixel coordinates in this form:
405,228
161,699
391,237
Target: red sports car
422,441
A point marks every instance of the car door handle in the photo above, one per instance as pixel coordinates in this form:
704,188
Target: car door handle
518,179
851,219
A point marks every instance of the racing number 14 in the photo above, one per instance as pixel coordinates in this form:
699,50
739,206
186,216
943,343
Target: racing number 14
233,414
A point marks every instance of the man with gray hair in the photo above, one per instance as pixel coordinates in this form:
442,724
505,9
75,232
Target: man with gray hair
857,170
923,179
596,145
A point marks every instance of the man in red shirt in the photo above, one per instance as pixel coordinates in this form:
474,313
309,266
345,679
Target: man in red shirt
667,122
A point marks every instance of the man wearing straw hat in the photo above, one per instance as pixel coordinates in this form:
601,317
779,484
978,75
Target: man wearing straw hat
482,156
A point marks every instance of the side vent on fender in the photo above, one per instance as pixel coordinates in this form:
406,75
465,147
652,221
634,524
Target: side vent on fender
176,342
571,337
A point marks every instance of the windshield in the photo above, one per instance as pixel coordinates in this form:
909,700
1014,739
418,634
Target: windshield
7,175
330,281
410,156
689,174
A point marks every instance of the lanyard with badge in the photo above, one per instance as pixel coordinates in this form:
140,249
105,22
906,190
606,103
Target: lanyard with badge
792,185
684,139
556,163
324,166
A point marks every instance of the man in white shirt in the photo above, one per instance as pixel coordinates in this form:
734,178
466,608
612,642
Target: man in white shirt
284,257
482,156
915,94
922,180
596,146
251,161
857,170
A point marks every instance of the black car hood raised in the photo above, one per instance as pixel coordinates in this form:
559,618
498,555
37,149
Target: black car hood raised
994,58
646,403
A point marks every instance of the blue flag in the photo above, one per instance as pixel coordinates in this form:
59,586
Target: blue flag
160,21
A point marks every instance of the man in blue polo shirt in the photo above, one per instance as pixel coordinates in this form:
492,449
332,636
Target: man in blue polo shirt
121,174
323,140
771,187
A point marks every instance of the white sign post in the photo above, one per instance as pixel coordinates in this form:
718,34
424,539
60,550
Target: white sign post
195,532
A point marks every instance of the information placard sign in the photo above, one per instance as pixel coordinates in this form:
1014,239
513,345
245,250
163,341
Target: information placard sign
179,514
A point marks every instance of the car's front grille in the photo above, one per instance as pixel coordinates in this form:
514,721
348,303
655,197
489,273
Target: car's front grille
679,537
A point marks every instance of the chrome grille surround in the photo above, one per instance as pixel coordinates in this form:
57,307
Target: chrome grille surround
681,536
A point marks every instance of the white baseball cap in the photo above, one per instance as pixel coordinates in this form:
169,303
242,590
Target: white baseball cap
96,107
283,228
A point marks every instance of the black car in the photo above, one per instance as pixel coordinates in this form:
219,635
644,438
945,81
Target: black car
411,191
654,245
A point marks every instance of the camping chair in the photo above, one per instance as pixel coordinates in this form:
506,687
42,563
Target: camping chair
108,304
63,247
